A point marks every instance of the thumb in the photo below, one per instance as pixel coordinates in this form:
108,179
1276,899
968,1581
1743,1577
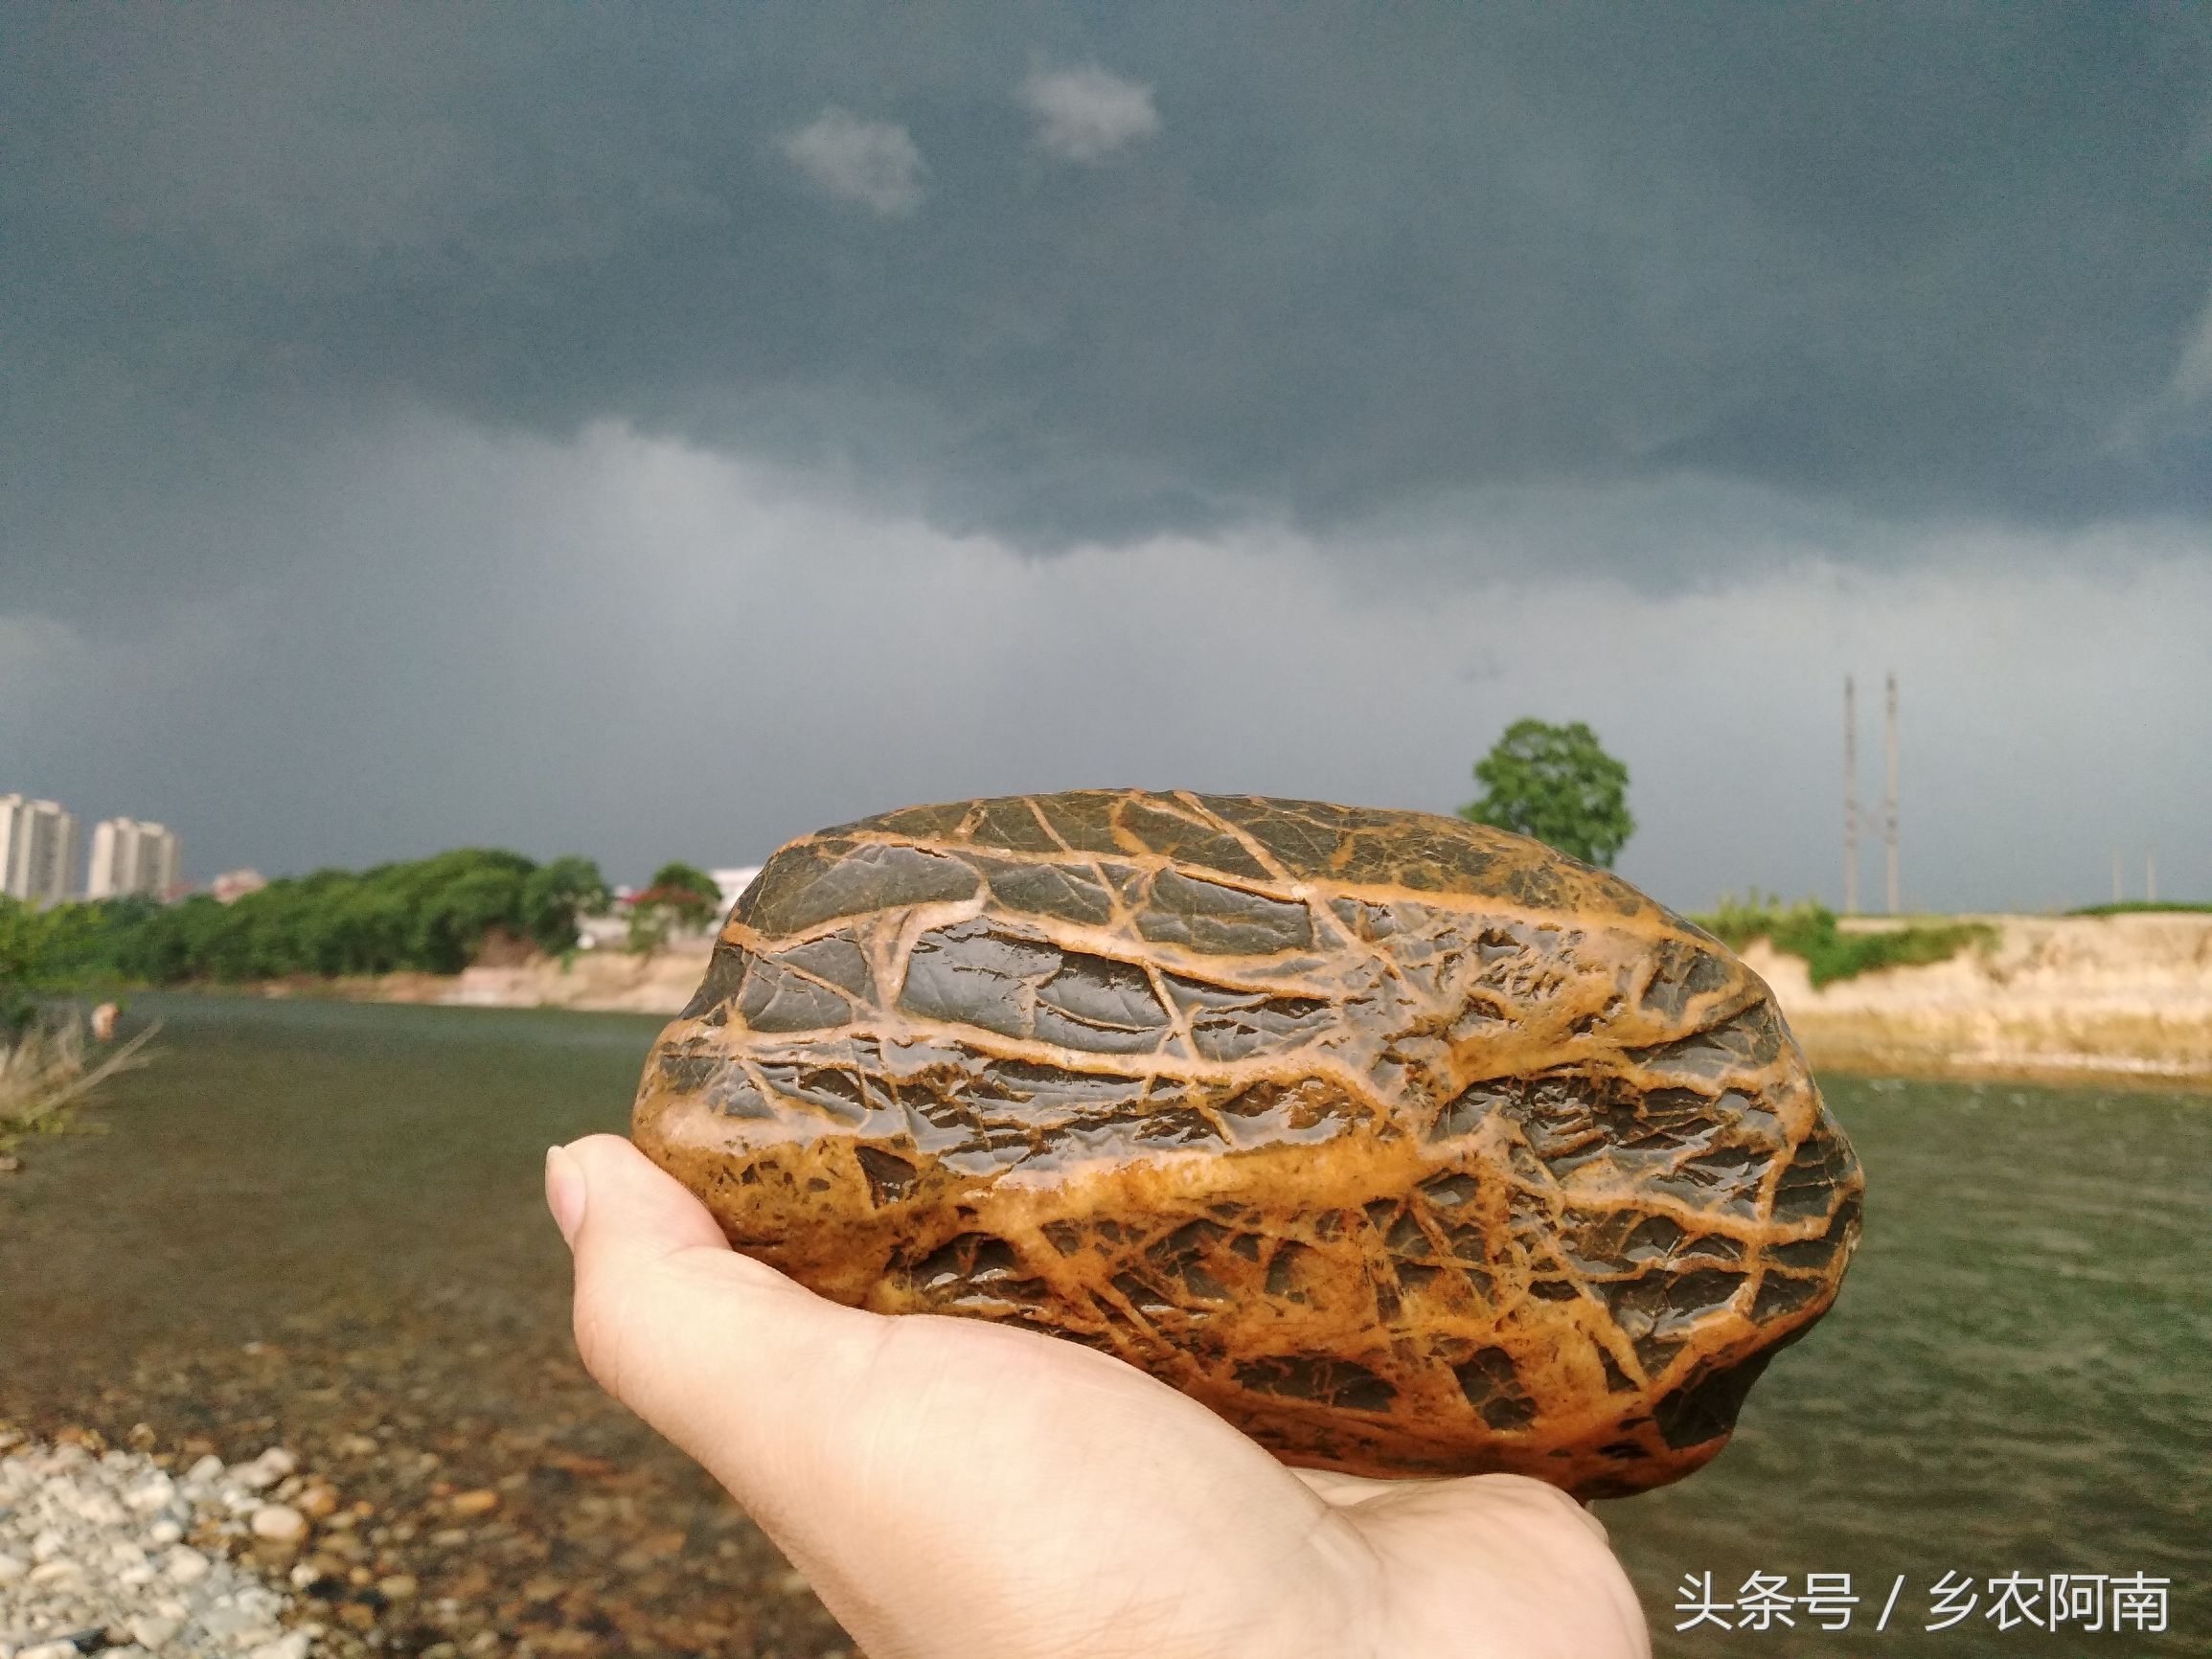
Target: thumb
701,1342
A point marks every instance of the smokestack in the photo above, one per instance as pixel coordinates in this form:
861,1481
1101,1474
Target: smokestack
1850,799
1890,802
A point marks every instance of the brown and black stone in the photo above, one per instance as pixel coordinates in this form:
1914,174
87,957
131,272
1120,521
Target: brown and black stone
1409,1146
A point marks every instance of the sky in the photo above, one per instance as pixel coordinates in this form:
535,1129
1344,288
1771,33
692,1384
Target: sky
656,432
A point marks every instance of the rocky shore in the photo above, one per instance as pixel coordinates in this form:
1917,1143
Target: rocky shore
388,1480
114,1553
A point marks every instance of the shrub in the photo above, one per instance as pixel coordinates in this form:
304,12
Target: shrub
1808,930
2141,907
46,1072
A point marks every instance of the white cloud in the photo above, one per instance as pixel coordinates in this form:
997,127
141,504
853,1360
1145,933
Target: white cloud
1086,114
870,162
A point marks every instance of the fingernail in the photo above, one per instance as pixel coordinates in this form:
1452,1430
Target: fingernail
564,1192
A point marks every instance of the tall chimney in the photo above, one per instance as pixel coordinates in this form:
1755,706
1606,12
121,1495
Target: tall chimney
1850,799
1889,803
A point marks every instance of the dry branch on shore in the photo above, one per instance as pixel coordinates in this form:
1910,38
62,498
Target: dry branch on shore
49,1070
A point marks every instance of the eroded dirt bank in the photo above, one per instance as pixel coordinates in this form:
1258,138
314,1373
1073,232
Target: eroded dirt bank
2055,997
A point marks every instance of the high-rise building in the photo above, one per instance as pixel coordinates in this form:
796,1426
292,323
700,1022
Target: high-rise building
37,849
131,857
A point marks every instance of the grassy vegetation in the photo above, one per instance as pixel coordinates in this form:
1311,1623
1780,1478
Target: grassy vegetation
1808,930
2141,907
47,1071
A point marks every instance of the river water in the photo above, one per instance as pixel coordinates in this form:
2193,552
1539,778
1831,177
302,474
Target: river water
2015,1381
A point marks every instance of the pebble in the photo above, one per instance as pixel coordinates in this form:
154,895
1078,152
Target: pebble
93,1556
279,1524
151,1496
317,1502
266,1470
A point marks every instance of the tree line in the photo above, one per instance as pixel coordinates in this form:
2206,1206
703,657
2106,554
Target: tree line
434,915
431,916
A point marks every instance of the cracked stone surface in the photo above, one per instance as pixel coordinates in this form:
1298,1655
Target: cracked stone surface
1409,1146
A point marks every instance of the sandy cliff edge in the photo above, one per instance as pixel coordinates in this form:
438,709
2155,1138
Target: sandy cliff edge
2057,997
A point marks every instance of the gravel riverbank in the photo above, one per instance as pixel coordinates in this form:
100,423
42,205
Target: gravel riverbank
114,1553
443,1488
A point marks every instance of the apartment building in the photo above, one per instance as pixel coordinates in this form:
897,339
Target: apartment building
37,851
130,856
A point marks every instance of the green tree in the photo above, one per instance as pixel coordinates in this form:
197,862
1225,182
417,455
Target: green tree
432,915
554,895
679,895
690,894
1558,784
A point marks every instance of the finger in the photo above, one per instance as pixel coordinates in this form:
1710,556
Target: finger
626,1191
1511,1552
1344,1490
699,1341
1348,1492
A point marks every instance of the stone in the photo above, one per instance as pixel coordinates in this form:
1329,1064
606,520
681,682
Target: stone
154,1493
1409,1146
186,1565
12,1568
279,1524
266,1470
153,1632
480,1502
316,1501
100,1509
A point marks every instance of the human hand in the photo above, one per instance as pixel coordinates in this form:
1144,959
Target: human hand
956,1489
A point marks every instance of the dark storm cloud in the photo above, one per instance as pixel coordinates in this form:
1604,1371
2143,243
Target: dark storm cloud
1867,262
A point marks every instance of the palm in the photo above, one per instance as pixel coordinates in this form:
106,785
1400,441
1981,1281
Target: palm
955,1489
